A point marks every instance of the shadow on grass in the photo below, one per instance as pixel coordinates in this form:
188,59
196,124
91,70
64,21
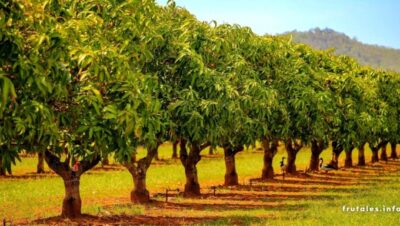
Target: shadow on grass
288,189
308,181
187,205
254,195
30,176
123,219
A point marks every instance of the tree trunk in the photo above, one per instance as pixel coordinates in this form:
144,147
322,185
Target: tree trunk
316,150
72,203
192,186
292,150
211,151
175,150
291,162
337,149
349,159
189,162
138,170
268,170
384,156
270,150
2,170
231,176
314,162
139,193
105,161
393,153
375,154
40,165
156,157
361,155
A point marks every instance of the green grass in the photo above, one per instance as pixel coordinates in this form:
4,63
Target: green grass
330,212
32,198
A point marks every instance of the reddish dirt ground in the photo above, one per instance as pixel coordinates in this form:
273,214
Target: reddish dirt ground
261,194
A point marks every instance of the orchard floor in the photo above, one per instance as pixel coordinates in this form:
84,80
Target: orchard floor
305,199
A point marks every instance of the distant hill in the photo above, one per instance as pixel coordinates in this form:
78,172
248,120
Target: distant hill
373,55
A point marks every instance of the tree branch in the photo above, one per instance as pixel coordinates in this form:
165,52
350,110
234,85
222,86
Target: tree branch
86,165
237,149
205,145
60,168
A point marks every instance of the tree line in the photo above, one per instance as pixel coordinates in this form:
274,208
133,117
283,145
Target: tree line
81,80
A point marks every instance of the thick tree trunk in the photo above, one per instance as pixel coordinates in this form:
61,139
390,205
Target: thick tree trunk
291,162
384,156
268,170
156,157
175,150
72,203
336,151
192,186
40,165
138,170
349,159
292,150
361,155
231,176
2,170
139,193
270,150
375,154
105,161
316,150
393,153
314,162
189,162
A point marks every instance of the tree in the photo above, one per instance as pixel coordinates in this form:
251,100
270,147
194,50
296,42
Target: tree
380,113
11,46
299,92
74,64
267,114
347,95
179,68
322,109
389,81
135,114
247,100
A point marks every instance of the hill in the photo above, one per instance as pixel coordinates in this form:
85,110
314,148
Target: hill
373,55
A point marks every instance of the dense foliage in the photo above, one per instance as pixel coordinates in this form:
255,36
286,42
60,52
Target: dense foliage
82,79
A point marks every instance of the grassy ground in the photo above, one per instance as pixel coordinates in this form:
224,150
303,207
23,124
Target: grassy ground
311,200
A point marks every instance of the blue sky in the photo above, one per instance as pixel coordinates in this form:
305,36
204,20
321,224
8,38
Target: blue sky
370,21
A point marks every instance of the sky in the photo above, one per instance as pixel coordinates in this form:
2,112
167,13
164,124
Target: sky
370,21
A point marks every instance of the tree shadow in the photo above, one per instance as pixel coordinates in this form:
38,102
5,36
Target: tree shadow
212,206
122,219
254,193
296,181
47,174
